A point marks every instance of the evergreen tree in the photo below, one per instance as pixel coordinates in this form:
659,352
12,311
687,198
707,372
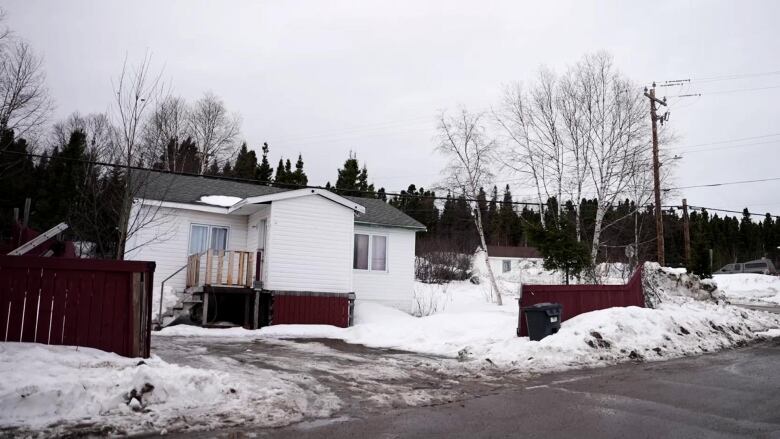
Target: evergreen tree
281,176
299,177
264,171
18,175
65,176
561,250
246,164
353,181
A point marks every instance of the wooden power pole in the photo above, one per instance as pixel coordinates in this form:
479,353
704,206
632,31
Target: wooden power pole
686,232
659,222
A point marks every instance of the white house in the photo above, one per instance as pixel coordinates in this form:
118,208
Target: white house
204,230
507,258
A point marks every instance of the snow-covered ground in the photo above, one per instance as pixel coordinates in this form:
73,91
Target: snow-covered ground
44,385
55,387
750,288
688,320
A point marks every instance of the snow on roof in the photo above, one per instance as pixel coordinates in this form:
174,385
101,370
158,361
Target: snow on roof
219,200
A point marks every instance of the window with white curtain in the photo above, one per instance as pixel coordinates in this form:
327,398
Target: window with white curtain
203,237
360,256
370,252
378,253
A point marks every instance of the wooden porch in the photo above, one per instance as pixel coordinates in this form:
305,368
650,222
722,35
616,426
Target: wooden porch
223,269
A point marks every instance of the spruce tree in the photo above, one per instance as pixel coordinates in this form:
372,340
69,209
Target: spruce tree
246,163
353,181
281,177
299,177
264,171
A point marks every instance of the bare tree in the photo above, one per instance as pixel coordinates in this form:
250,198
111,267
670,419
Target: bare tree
464,140
577,135
523,154
214,130
24,99
136,91
101,134
166,127
616,133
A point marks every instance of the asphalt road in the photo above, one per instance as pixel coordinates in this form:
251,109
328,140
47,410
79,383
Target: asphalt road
734,393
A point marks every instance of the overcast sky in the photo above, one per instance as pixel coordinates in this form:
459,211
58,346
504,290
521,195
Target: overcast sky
323,78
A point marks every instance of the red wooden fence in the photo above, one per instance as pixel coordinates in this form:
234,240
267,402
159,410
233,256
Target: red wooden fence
311,309
80,302
578,299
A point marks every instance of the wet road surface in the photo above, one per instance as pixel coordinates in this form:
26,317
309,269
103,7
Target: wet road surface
730,394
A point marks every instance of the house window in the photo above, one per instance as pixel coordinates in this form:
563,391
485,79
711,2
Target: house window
204,237
360,257
506,265
379,253
373,245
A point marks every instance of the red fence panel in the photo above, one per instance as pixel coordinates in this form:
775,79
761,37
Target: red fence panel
80,302
295,308
579,299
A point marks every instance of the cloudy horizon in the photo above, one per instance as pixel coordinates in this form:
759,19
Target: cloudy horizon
323,80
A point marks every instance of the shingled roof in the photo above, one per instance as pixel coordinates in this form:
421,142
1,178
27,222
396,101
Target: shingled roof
190,188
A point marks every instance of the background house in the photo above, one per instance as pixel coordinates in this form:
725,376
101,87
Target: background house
505,258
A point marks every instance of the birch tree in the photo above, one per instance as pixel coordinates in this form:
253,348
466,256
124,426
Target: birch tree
523,154
616,135
214,130
464,140
581,134
165,128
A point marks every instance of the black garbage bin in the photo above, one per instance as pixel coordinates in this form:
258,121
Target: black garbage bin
543,319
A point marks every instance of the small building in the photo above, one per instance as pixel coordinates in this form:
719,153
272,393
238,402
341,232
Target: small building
215,236
506,258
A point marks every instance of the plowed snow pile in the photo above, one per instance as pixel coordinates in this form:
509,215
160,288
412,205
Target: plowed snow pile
758,289
54,387
688,317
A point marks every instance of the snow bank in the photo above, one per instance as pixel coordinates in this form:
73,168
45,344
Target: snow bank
45,385
688,317
750,288
219,200
663,284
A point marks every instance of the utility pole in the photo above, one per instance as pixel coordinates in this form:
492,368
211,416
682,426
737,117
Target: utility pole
686,232
659,222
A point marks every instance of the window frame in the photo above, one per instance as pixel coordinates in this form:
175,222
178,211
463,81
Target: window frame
208,236
370,264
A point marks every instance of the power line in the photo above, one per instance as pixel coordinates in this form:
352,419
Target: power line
727,183
731,211
736,90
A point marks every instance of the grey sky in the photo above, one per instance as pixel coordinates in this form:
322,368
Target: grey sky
324,78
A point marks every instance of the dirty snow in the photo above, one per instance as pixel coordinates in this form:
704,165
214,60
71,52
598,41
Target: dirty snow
750,288
219,200
47,385
687,319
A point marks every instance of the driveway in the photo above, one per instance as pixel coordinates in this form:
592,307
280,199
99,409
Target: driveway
343,379
725,395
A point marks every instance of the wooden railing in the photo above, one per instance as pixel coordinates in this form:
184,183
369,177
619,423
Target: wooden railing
232,268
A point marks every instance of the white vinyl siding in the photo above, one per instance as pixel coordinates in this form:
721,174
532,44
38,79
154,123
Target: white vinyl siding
166,239
309,246
395,285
